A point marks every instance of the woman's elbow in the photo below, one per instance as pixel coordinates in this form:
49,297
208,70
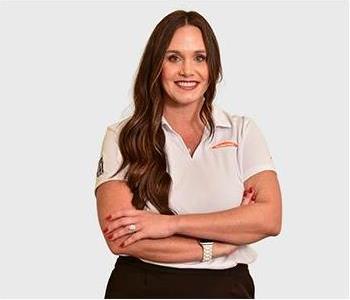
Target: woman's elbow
274,217
275,227
115,248
276,230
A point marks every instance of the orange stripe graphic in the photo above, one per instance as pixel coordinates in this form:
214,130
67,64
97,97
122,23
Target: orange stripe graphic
225,143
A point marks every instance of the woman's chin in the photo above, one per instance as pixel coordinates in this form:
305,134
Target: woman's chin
186,99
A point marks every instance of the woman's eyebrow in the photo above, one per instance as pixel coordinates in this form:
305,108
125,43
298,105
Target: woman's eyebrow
179,52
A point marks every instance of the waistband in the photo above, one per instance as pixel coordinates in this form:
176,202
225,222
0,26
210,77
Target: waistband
134,261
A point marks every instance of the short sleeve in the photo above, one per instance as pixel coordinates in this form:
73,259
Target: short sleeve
110,159
254,155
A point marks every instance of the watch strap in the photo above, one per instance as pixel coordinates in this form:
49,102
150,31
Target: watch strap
207,250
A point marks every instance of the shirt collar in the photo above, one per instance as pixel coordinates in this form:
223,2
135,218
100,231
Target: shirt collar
220,118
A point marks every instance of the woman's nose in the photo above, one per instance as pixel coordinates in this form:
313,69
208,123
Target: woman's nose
187,68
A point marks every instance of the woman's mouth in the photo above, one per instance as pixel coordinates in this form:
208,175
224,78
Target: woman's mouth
187,85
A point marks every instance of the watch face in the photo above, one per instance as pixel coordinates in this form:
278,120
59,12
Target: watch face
205,241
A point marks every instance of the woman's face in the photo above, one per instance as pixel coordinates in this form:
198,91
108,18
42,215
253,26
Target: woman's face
185,70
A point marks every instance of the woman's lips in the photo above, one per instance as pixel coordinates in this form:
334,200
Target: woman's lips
187,85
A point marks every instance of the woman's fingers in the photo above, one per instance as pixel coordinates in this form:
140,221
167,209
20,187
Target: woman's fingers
118,224
148,225
248,197
117,234
123,213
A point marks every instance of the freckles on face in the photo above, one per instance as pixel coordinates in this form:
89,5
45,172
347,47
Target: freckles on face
185,70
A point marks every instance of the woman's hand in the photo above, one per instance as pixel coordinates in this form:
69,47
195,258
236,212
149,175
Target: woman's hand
248,197
148,225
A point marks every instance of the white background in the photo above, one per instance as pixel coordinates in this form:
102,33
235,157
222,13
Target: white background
66,72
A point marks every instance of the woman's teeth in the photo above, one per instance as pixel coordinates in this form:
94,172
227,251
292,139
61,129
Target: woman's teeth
188,85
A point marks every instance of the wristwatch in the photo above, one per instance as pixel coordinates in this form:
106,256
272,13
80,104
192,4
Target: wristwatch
207,246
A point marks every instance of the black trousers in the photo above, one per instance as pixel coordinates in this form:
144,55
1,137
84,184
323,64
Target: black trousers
133,278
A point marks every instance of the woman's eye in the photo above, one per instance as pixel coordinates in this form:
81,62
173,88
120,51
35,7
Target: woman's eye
172,58
201,58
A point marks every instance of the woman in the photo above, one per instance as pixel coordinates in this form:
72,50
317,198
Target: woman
171,177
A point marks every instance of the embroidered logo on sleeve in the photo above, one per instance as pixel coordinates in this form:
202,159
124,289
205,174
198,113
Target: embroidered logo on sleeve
225,143
100,167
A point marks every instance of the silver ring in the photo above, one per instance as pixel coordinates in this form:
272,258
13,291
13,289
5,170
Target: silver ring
132,227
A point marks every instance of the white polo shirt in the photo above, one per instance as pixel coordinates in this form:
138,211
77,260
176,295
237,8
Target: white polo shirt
210,181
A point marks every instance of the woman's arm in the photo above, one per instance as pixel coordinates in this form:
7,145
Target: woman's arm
244,224
239,226
174,249
116,195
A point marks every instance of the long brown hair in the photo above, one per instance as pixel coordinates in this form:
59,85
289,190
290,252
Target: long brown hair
141,140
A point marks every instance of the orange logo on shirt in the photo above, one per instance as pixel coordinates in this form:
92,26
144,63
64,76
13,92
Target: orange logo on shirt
225,143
